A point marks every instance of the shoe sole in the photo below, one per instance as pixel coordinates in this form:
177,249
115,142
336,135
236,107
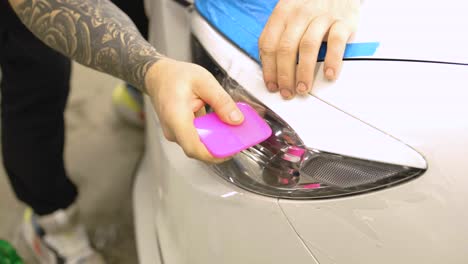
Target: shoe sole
36,247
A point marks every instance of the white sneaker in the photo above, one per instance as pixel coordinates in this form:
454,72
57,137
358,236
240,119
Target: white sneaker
58,238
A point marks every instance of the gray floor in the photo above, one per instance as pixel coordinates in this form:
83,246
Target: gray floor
101,155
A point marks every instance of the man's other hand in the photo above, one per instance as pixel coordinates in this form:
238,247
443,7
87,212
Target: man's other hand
298,27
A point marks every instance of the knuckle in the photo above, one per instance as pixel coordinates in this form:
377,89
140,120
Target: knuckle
261,40
190,152
338,38
310,44
305,13
223,99
169,137
326,17
286,47
299,9
267,48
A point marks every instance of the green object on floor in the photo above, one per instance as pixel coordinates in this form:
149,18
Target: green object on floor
8,254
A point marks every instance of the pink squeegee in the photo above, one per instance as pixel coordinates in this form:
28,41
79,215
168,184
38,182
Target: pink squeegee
223,140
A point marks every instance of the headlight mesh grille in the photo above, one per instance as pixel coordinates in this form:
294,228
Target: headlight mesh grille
346,173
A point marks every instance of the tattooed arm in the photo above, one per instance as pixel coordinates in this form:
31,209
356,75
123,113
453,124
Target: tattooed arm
93,32
99,35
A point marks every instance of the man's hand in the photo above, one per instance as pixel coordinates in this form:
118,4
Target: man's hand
299,27
179,92
99,35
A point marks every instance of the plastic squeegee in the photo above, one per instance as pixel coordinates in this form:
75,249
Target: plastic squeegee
223,140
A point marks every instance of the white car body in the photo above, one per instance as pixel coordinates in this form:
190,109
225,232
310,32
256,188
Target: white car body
398,111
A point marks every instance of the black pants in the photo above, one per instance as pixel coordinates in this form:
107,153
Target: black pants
35,86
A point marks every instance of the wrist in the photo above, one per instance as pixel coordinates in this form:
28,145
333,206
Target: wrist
154,74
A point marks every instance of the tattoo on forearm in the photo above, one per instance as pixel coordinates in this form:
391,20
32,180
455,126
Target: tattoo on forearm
93,32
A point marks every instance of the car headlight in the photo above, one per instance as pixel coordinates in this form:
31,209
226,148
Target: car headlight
283,167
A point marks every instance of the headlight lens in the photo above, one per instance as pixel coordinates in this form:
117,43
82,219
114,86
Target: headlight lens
283,167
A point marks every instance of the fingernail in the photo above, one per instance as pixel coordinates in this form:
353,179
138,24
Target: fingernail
286,93
272,87
301,87
330,74
235,116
